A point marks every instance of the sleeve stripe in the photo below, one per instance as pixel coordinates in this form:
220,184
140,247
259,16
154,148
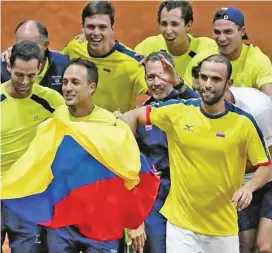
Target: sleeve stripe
147,114
239,111
42,102
3,97
264,164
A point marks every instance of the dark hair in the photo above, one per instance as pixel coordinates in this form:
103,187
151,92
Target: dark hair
41,28
195,71
219,59
26,51
92,72
155,56
98,7
185,7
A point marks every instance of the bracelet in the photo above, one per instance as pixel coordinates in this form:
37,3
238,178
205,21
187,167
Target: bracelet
179,85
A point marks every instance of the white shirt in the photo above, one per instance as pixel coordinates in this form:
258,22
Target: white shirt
259,105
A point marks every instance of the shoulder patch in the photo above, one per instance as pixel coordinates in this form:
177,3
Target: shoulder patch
3,97
192,54
122,49
42,102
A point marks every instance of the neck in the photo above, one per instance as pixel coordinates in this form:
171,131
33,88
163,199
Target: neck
43,64
229,96
13,93
181,48
81,111
43,61
215,109
105,49
235,54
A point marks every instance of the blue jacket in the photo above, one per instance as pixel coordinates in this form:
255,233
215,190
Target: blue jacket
152,141
53,76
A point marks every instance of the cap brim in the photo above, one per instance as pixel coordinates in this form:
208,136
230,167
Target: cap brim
245,37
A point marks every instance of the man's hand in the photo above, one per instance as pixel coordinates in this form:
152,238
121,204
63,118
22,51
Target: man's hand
170,75
81,37
6,55
137,238
243,197
117,114
158,173
142,62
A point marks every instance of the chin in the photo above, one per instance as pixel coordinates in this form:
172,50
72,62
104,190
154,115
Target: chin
25,93
69,103
158,97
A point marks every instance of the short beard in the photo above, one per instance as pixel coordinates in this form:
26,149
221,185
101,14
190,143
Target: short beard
216,99
72,109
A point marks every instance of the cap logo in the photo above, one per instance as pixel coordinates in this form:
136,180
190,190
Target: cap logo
226,17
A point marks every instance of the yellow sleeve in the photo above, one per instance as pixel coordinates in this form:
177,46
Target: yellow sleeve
64,50
141,48
61,113
140,86
149,45
263,70
68,49
55,99
159,115
257,151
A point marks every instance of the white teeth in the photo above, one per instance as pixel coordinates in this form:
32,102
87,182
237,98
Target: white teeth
96,40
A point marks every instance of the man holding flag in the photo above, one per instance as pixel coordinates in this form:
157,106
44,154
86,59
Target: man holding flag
79,83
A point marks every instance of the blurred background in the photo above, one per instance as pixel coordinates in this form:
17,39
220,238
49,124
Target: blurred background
134,20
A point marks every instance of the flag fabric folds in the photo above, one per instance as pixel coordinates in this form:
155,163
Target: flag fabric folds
89,175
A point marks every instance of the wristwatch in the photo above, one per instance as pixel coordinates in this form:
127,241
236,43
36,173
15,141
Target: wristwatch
179,85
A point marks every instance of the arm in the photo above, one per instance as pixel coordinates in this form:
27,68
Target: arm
137,238
261,176
250,168
259,157
267,89
136,117
243,196
6,55
185,92
263,74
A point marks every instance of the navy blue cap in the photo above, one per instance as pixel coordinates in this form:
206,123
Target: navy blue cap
231,14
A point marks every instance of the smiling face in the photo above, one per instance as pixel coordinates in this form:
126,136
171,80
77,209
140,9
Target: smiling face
157,88
228,37
76,89
98,31
213,82
23,75
172,26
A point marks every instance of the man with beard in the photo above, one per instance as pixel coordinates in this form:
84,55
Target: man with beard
153,143
53,63
175,19
255,222
121,78
210,141
24,106
251,67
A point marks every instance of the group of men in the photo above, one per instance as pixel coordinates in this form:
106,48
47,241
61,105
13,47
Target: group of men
201,134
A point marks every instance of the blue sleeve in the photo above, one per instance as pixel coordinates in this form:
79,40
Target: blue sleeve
5,75
188,93
168,102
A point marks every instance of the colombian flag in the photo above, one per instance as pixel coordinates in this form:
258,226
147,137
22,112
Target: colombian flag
89,175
